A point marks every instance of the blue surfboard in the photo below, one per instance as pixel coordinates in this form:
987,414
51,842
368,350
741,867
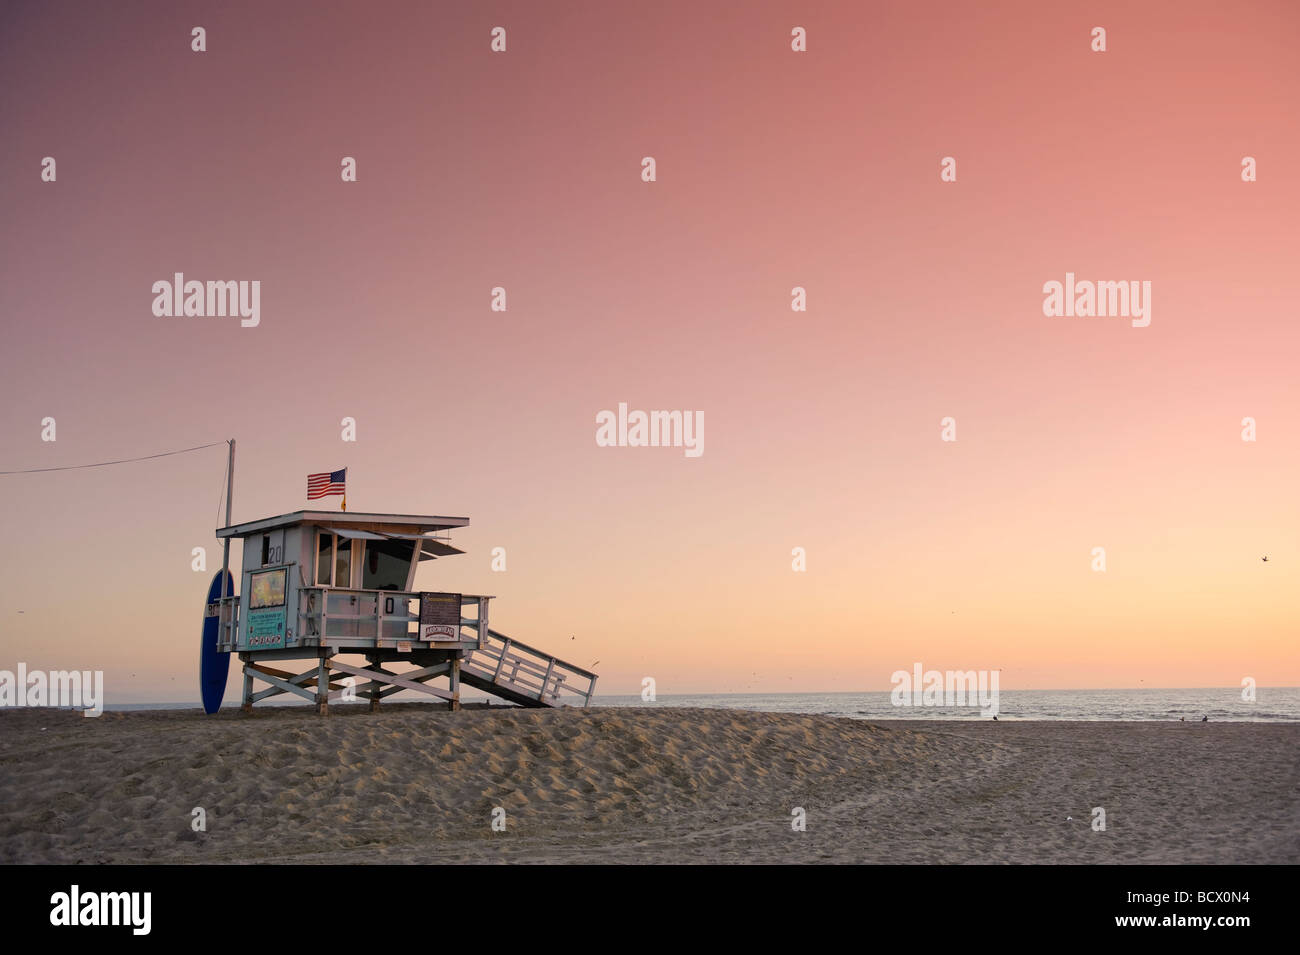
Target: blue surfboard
214,667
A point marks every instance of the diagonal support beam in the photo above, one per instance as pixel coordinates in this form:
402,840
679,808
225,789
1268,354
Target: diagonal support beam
285,686
392,679
307,678
377,691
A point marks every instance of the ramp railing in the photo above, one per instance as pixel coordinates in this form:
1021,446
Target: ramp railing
527,672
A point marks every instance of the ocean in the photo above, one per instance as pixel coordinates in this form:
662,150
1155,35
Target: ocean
1271,705
1222,704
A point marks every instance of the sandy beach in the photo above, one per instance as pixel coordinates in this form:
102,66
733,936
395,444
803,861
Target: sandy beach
661,785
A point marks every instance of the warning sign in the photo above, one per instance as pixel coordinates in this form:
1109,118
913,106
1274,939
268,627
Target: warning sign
439,617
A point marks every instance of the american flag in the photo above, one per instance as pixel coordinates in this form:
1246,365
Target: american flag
326,483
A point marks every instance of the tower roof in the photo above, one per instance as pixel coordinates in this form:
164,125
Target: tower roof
385,524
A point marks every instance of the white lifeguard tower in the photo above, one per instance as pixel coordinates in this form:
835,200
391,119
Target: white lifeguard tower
318,585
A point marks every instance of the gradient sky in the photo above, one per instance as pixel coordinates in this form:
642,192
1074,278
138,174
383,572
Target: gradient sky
775,169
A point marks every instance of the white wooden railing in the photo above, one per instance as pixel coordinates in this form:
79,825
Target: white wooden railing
512,665
333,614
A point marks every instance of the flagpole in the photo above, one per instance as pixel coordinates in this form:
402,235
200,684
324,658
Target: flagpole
225,557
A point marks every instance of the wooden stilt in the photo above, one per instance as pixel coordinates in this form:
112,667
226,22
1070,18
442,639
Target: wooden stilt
374,691
247,705
323,687
453,677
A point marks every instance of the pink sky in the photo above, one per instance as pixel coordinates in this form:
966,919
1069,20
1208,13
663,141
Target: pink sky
775,170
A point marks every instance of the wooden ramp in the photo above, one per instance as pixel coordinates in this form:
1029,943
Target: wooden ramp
525,675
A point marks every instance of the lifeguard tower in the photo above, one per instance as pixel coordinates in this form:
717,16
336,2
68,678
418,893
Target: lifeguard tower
318,585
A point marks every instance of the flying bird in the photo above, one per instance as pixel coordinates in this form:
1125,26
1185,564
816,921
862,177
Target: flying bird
1264,558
